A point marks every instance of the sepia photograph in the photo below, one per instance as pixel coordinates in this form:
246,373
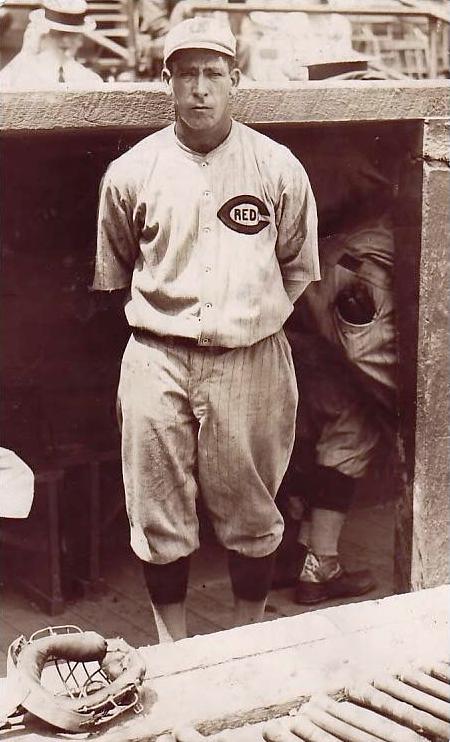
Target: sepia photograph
224,400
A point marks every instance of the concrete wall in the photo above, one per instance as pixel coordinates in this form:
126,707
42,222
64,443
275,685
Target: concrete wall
56,339
430,557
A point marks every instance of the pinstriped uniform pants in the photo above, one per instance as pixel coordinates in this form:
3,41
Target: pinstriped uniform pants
216,421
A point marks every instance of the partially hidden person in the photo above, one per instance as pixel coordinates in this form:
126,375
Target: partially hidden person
344,348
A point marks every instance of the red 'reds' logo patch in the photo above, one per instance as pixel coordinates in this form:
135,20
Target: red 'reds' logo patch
244,214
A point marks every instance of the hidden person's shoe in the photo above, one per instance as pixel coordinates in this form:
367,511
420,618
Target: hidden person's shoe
342,584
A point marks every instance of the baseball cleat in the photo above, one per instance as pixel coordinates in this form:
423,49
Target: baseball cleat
342,585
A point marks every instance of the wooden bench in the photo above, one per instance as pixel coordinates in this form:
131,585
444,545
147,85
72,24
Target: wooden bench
55,552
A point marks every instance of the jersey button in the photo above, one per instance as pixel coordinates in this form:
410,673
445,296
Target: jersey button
207,194
208,305
204,164
208,269
206,230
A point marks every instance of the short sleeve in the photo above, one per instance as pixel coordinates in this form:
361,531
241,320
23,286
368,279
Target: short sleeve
117,244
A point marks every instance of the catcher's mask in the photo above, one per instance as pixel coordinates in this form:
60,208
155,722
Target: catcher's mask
72,679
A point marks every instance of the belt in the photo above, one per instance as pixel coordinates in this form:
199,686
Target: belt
176,341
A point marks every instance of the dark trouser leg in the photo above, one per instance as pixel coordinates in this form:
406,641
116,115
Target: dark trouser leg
167,583
251,578
167,587
293,502
335,490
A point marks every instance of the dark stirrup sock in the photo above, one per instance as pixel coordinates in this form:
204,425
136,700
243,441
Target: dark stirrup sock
337,490
251,577
167,583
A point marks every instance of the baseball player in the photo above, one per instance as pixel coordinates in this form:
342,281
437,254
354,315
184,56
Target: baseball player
345,354
209,228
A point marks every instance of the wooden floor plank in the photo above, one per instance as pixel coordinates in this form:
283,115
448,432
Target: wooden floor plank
201,600
99,615
220,591
27,618
9,632
198,624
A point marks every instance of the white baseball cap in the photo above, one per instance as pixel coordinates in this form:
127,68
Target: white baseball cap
200,33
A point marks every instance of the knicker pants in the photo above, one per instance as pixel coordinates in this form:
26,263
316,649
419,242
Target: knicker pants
219,421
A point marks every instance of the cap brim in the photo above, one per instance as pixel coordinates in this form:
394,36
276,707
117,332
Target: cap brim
85,28
201,45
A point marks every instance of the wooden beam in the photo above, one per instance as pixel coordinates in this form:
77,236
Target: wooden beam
101,39
147,106
433,41
412,9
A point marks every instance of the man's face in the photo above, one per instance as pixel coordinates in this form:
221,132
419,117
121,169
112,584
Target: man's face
201,84
67,43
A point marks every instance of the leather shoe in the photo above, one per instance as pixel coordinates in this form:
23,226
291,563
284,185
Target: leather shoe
343,585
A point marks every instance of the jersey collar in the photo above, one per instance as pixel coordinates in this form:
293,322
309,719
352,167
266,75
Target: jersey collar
213,152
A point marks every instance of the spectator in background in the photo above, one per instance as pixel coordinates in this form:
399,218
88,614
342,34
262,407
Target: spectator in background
153,26
154,17
51,41
281,45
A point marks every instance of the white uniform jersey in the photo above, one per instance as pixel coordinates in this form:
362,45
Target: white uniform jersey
214,246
